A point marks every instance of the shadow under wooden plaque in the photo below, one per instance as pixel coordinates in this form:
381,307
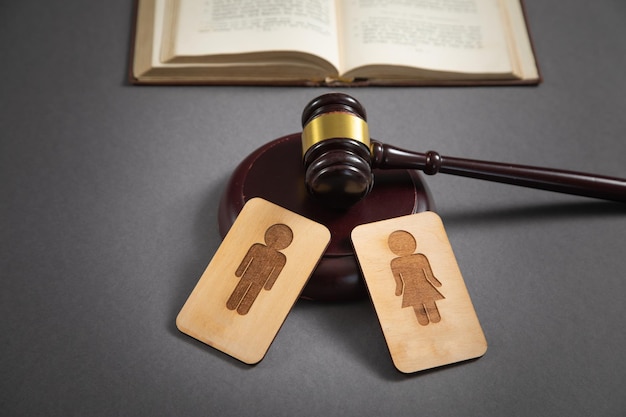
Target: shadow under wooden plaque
275,173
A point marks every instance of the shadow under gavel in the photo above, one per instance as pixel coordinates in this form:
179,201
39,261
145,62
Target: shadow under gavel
339,157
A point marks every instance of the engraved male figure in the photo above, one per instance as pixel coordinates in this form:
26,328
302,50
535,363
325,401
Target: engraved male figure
415,280
260,268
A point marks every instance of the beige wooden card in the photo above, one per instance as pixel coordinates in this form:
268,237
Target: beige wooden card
418,292
253,280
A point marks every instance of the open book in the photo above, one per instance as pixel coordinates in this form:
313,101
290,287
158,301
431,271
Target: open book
332,42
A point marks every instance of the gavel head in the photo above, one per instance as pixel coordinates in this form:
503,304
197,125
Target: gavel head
336,150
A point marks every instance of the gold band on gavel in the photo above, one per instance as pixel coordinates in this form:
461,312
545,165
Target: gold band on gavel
334,125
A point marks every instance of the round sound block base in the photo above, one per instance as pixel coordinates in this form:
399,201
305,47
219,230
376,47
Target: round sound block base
275,173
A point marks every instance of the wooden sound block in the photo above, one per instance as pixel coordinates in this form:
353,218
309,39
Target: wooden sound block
418,292
275,172
253,280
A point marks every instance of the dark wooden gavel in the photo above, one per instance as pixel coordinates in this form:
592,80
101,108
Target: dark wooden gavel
339,157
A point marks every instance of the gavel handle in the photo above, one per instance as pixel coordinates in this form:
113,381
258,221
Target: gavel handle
568,182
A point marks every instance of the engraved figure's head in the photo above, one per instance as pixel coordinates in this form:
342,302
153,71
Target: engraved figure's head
402,243
278,236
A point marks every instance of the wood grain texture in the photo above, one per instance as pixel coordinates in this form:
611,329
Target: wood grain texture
253,280
417,289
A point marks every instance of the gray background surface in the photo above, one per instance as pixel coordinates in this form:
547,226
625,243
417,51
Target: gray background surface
108,203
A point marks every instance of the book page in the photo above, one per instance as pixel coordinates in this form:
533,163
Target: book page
519,39
225,27
440,35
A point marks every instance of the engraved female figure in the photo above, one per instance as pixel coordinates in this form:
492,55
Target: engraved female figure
415,280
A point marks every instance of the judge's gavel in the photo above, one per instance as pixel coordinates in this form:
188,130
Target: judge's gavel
339,157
